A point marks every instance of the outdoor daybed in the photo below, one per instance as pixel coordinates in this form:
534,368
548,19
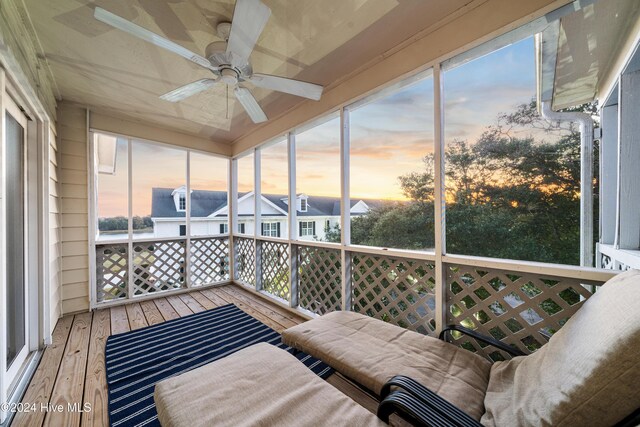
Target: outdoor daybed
259,385
587,374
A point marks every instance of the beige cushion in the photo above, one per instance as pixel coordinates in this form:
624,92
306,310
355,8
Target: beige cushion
588,374
371,351
260,385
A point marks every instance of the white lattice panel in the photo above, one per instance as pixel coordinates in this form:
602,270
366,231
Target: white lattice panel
400,291
275,268
319,279
520,309
245,260
158,266
111,272
209,260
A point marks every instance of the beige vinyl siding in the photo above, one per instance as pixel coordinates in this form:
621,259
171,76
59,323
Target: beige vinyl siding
55,230
72,172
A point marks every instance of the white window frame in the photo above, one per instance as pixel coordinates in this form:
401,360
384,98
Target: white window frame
270,229
131,239
306,228
304,204
182,202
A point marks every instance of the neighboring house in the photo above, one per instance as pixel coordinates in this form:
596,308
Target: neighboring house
209,213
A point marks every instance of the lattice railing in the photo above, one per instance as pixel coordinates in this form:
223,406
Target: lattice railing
209,260
245,260
319,279
396,290
111,271
274,268
520,309
158,266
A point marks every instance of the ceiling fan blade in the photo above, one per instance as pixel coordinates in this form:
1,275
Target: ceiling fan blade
249,19
188,90
282,84
142,33
250,105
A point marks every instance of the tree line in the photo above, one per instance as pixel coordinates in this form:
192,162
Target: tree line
121,223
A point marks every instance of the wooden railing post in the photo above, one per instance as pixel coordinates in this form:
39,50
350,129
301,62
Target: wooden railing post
345,209
293,221
439,203
257,198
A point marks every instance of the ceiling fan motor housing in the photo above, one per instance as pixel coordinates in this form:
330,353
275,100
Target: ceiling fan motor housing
216,53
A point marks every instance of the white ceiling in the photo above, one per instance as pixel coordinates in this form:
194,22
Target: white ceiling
320,41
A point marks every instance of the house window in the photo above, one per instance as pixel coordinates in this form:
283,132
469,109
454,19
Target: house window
183,230
307,228
327,225
242,228
224,228
271,229
303,205
182,202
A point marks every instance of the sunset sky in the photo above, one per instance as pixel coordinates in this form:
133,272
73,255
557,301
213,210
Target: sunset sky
389,138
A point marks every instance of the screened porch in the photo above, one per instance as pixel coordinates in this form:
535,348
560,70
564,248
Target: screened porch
452,179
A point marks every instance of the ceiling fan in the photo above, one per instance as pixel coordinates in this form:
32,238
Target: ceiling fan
228,60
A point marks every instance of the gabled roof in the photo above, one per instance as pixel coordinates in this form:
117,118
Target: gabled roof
204,203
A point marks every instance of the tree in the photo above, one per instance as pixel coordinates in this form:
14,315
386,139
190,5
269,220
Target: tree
332,234
510,194
121,224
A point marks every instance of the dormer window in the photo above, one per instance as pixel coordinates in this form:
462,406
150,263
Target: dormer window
301,203
180,198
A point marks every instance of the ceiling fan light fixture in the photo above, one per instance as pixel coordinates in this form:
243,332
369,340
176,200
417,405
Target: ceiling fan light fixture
229,76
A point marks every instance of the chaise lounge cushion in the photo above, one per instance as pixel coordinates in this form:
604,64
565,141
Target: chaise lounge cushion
259,385
371,351
587,374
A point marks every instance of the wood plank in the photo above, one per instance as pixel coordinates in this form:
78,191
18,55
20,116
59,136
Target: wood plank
69,385
119,320
214,297
151,313
263,301
218,294
279,315
180,307
203,300
166,309
136,316
190,302
41,385
95,389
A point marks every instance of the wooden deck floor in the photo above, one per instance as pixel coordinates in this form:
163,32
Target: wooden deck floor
72,368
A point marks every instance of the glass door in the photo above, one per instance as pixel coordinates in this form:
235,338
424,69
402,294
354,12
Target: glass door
16,291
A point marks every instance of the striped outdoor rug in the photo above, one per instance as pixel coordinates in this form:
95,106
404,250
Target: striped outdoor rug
137,360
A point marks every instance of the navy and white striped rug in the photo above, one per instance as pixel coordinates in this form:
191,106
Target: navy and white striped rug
137,360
